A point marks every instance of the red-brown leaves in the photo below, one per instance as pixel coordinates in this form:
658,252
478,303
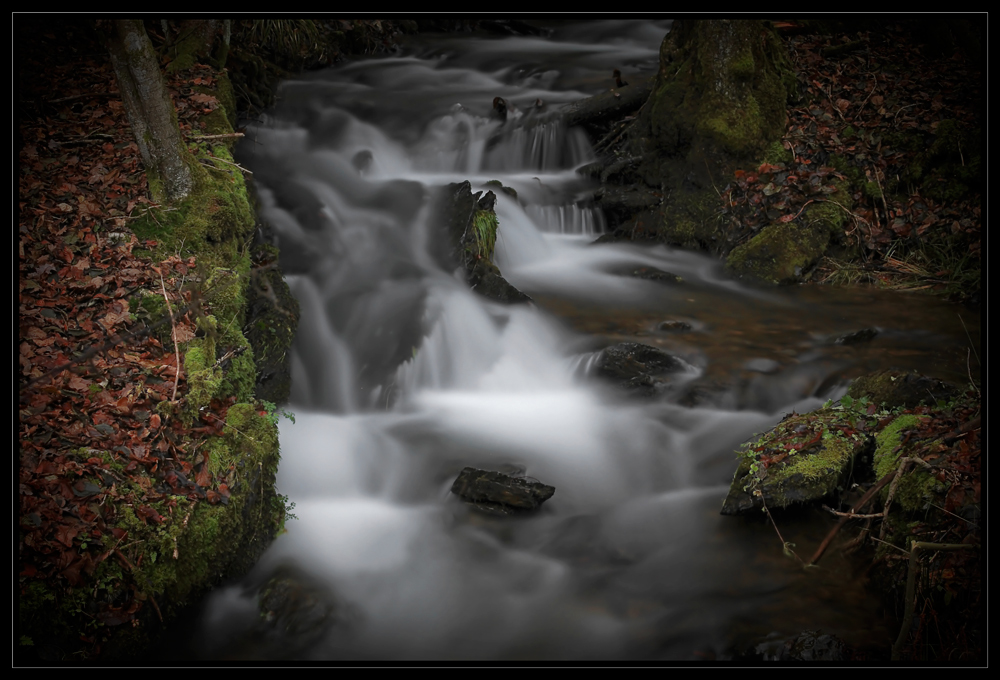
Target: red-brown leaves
91,440
851,108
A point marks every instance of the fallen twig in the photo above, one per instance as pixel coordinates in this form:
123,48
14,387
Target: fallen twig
173,336
897,476
851,515
843,520
241,168
228,135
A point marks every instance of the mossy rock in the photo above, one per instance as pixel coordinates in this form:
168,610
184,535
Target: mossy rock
895,389
779,254
808,457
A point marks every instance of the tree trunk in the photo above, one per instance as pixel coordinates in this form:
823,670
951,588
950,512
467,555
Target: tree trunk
150,112
717,104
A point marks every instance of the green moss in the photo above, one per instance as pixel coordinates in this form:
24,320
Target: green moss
810,457
777,153
917,488
273,318
484,228
177,559
691,220
779,254
886,456
872,190
830,215
737,131
213,222
735,98
203,378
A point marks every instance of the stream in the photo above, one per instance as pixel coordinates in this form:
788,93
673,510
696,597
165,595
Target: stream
402,377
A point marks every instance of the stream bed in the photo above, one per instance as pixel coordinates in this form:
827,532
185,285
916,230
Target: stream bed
402,377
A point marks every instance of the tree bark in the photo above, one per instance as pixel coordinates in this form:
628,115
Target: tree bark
150,112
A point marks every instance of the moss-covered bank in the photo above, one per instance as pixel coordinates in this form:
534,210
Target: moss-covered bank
161,552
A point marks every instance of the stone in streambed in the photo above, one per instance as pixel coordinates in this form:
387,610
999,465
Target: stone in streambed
500,493
638,368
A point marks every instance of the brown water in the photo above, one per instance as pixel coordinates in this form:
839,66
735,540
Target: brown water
794,327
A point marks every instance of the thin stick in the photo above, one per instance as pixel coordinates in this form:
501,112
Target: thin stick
891,545
843,520
900,111
851,515
225,136
954,515
173,335
81,96
971,346
214,158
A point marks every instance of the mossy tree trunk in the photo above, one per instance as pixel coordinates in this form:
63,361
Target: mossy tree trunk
201,40
150,111
717,103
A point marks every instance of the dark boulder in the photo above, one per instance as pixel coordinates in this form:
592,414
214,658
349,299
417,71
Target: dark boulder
803,459
856,337
498,493
649,274
896,388
638,368
462,246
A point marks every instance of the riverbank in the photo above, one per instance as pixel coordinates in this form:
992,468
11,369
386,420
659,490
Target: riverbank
153,340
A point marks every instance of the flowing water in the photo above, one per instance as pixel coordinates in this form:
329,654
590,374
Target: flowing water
402,377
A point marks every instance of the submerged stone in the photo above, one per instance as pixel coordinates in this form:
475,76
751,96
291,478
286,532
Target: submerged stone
498,493
857,337
650,274
672,326
809,645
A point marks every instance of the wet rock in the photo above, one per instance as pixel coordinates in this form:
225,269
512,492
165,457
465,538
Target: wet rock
498,493
637,367
649,274
803,459
272,320
856,337
809,645
896,388
620,203
485,279
296,611
673,326
456,207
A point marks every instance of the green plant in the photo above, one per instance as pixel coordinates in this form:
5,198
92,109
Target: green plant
272,413
287,507
485,225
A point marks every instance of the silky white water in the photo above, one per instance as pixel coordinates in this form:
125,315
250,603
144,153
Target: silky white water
402,377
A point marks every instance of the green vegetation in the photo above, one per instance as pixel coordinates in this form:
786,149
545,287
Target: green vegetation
484,225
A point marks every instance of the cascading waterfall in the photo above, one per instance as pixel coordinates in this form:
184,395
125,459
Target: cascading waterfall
402,377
